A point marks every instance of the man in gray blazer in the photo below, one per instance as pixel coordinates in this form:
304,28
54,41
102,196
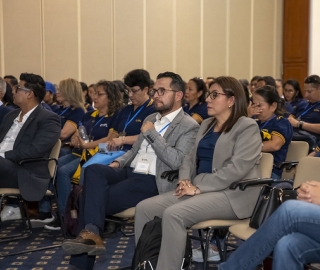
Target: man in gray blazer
25,133
165,138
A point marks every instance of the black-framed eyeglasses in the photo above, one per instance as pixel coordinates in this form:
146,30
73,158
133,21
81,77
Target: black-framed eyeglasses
19,87
160,91
213,95
131,90
97,94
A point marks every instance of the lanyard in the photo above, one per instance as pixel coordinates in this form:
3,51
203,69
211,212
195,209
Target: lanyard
95,125
64,111
130,120
159,133
267,122
305,111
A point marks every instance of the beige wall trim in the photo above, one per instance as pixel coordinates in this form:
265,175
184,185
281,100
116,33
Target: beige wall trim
251,38
2,67
43,60
79,40
227,36
174,35
201,38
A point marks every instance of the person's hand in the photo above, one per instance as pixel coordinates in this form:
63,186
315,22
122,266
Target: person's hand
185,187
74,141
114,164
114,144
312,154
293,122
254,109
146,126
309,192
81,143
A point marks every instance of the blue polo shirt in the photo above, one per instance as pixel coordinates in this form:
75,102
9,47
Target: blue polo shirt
310,113
298,105
71,115
130,121
205,151
55,107
97,127
88,107
281,127
198,111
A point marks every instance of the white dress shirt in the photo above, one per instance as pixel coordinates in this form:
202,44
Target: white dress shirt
145,147
8,141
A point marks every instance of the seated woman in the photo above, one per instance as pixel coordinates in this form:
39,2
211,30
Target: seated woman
227,149
98,123
195,98
292,94
276,131
69,94
86,97
291,233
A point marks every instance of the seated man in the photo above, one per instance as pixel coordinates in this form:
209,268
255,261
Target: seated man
165,138
291,233
306,121
28,132
3,109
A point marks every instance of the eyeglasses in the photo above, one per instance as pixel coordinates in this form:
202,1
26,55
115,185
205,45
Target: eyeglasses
19,87
97,94
160,91
131,90
288,91
213,95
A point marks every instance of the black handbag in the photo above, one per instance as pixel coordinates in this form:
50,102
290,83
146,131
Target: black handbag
269,200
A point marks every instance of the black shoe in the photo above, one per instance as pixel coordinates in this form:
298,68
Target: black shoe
41,219
111,229
54,225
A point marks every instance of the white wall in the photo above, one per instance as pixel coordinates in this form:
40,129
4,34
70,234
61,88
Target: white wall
314,44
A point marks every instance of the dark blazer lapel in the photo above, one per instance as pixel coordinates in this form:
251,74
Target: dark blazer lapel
26,124
6,125
176,121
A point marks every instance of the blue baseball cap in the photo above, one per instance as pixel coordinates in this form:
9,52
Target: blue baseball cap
50,87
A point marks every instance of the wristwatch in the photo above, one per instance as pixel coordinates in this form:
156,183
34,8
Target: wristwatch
300,124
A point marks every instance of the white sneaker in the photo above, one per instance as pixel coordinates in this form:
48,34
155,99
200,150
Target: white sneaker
10,213
213,256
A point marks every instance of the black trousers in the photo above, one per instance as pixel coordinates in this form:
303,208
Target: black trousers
108,191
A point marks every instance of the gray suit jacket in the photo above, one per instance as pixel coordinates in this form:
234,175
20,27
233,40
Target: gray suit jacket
235,157
35,140
170,149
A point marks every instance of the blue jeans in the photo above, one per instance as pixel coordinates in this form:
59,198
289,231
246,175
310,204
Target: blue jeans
67,165
292,233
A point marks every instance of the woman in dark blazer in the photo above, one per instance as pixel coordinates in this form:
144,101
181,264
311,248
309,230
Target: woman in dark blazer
227,149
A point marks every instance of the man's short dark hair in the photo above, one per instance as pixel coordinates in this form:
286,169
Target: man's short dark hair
314,80
137,77
13,79
268,80
35,83
177,82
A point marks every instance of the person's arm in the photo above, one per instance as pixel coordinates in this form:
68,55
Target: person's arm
94,144
273,145
115,141
68,129
309,192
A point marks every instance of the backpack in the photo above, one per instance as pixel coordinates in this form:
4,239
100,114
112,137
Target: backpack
148,247
72,211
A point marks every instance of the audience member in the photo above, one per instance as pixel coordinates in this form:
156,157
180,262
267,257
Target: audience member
291,233
11,80
208,81
279,87
195,98
50,97
28,132
293,95
253,84
227,149
123,90
132,116
165,138
3,109
85,95
266,80
306,121
275,129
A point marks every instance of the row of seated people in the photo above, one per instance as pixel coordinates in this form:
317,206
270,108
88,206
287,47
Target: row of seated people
168,95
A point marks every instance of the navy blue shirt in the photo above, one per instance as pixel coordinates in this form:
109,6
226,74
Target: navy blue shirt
205,151
71,115
298,105
55,107
198,112
88,107
310,113
131,125
97,127
281,127
4,110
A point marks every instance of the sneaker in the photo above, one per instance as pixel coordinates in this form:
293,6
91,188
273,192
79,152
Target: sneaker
86,242
10,213
41,219
54,225
213,256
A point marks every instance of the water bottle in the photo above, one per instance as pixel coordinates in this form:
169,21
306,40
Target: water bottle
83,133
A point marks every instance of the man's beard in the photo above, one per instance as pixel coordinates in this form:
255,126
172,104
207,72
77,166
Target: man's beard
165,108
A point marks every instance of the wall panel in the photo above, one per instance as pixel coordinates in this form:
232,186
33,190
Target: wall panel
1,40
159,36
22,37
60,41
96,40
128,36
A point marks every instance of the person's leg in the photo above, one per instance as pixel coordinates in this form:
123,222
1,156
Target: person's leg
292,216
182,215
297,249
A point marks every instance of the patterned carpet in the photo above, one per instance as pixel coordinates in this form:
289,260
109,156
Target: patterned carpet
119,251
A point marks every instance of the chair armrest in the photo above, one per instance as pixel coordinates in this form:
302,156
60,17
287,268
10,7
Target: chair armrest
243,184
236,184
170,175
33,160
288,165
